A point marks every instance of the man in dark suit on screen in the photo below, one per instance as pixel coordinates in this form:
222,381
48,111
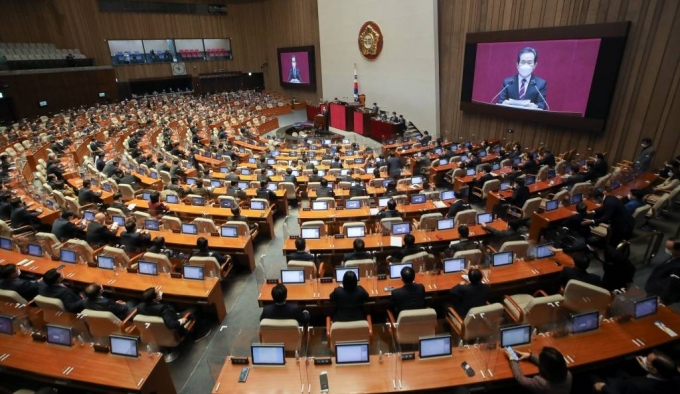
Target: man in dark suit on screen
525,85
294,73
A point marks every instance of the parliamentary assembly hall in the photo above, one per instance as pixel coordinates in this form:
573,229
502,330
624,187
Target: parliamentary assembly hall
339,196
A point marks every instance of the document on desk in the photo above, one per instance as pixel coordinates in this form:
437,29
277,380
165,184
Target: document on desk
374,211
439,204
396,241
132,207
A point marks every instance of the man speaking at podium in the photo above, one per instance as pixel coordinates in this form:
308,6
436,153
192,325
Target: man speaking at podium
294,73
525,85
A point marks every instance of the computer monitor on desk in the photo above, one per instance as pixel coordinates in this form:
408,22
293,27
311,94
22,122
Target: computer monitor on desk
448,195
194,272
6,243
576,198
356,231
418,199
543,251
395,269
340,273
382,201
435,346
152,224
349,353
58,335
68,256
257,205
292,276
530,180
119,220
503,259
147,268
122,345
445,224
229,231
35,250
401,228
319,205
6,325
551,205
454,265
106,262
516,335
352,204
484,218
584,322
268,354
310,233
645,307
189,228
172,199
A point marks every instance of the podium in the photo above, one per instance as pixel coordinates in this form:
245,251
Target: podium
362,123
383,131
342,116
320,121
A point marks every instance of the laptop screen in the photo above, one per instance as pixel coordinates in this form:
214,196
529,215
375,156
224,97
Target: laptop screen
105,262
252,160
530,180
584,322
6,243
319,205
215,183
484,218
443,162
296,173
310,233
351,353
35,250
268,354
401,228
516,335
551,173
258,205
551,205
352,204
148,268
359,160
356,232
344,172
386,182
226,203
154,175
224,170
454,265
418,199
124,346
470,172
57,335
645,307
448,195
292,276
417,180
119,220
146,196
88,215
340,273
503,258
189,228
191,181
482,153
198,201
152,224
193,272
445,224
106,187
495,166
229,231
68,256
272,186
6,325
438,346
395,269
172,199
382,201
245,171
543,251
577,198
505,186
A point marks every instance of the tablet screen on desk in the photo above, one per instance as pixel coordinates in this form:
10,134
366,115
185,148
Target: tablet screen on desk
543,251
68,256
6,243
319,205
437,346
310,233
245,171
119,220
6,325
503,258
454,265
106,187
386,182
340,273
267,354
88,215
577,198
273,186
146,196
35,250
645,307
496,167
551,173
124,346
445,224
292,276
352,204
191,181
382,202
172,199
529,180
225,170
401,228
395,269
148,268
195,272
417,180
58,335
189,228
516,335
50,203
418,199
448,195
154,175
105,262
152,224
484,218
257,205
505,186
351,353
197,201
215,183
584,322
470,172
551,205
356,232
226,203
229,231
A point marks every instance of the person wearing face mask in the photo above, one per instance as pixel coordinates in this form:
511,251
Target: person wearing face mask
525,85
635,200
10,280
660,281
151,305
661,377
671,182
644,158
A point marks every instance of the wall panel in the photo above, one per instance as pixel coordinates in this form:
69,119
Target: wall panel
646,102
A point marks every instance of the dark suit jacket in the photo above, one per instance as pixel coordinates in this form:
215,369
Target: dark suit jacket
325,192
618,270
134,241
533,86
456,207
486,177
613,212
294,73
464,244
569,273
161,310
659,282
519,196
65,230
387,213
98,234
466,297
28,289
72,301
639,385
107,305
393,167
356,256
22,217
87,196
349,304
5,211
573,223
289,310
548,160
409,296
357,190
301,256
336,164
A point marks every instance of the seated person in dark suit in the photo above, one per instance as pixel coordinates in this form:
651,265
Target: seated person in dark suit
458,206
573,176
618,270
53,168
301,252
5,206
63,229
21,216
612,211
530,167
236,216
349,299
119,204
281,309
324,190
547,159
390,211
95,300
488,176
151,306
51,286
359,252
234,191
661,377
409,296
132,240
408,249
357,188
466,296
575,222
203,250
9,280
98,234
520,195
660,282
289,177
464,243
265,193
87,196
336,163
579,272
315,177
511,234
174,186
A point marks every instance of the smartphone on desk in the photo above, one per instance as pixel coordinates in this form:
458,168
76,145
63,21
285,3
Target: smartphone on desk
323,380
512,353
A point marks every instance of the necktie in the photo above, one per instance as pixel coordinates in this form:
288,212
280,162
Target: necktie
522,89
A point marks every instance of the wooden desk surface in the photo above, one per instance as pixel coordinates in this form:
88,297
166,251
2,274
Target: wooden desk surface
611,341
145,374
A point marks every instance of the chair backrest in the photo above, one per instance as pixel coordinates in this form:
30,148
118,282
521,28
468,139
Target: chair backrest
161,260
49,242
581,296
530,206
205,225
120,257
519,248
72,204
140,218
601,181
289,187
171,223
472,257
5,229
429,220
415,323
12,297
49,303
284,331
581,187
153,330
476,327
211,268
309,266
364,266
543,311
660,204
82,248
357,330
542,173
315,224
101,324
639,215
489,186
468,216
386,223
345,226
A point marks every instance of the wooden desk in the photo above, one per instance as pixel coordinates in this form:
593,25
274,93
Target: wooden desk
541,220
90,371
265,218
540,186
128,285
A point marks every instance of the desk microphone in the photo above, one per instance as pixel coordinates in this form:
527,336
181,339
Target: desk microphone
512,82
533,83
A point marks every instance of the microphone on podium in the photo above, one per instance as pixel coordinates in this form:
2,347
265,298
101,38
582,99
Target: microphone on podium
533,83
504,87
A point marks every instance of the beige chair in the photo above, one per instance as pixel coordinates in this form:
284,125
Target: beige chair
152,330
243,228
309,267
127,192
428,221
171,223
101,324
211,268
315,224
115,212
519,248
468,217
386,223
482,321
472,257
376,182
205,225
489,186
140,218
120,257
420,260
284,331
582,188
12,297
530,206
412,324
49,243
364,266
347,225
82,249
542,174
54,311
162,261
601,182
350,331
291,190
540,312
329,200
581,297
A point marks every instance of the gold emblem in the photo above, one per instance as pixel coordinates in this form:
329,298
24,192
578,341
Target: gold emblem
370,40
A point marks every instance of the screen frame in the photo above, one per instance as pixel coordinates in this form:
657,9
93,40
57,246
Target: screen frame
574,316
353,343
512,328
643,300
125,337
311,60
430,338
272,345
402,265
